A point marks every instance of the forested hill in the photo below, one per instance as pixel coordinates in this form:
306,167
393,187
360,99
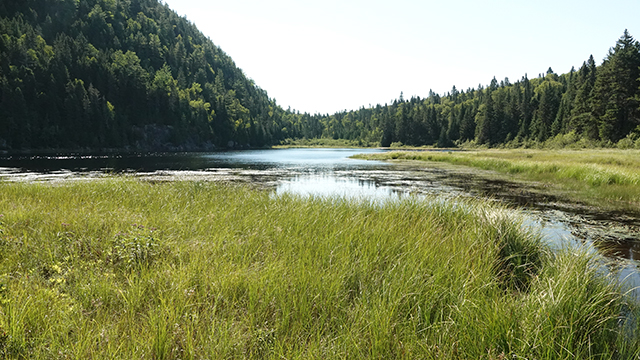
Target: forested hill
117,74
94,74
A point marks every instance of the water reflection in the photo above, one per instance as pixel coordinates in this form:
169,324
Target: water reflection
619,249
315,160
330,185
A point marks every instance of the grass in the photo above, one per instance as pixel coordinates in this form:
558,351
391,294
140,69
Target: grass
604,177
122,269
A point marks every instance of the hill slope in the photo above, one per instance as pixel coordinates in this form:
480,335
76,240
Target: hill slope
115,74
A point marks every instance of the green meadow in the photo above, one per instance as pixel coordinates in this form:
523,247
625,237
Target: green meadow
608,178
127,269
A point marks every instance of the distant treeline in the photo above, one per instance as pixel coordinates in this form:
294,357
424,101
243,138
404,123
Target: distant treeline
96,74
595,105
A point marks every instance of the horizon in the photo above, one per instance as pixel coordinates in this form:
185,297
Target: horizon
334,56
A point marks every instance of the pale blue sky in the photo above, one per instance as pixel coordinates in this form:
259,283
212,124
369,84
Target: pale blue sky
332,55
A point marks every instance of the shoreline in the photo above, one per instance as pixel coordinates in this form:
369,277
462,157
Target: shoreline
605,178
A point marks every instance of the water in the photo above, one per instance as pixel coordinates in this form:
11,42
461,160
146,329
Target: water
301,159
330,172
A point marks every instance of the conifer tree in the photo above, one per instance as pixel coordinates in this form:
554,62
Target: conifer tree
548,95
566,104
467,122
526,112
485,119
615,104
582,120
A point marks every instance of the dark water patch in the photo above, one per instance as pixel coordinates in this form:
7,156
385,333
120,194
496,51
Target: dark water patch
310,159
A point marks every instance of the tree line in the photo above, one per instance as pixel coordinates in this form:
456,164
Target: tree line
97,74
595,105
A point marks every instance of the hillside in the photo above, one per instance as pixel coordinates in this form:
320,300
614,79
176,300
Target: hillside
91,74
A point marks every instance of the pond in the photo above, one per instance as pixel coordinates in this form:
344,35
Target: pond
330,172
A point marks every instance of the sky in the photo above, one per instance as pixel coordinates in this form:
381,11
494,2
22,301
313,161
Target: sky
333,55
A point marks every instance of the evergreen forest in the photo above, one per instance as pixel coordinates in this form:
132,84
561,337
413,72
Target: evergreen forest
132,74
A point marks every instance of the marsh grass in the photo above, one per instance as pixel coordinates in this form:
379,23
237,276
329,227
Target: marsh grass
592,176
122,269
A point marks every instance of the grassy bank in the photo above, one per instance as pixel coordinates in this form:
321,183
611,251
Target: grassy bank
603,177
127,269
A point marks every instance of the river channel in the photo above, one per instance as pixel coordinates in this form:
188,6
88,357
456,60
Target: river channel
330,172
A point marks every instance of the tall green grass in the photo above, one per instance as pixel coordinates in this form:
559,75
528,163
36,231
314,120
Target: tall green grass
590,175
122,269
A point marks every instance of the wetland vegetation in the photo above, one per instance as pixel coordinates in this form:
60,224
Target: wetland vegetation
607,178
121,268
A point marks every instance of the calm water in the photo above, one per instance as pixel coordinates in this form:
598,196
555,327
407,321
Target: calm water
316,160
330,172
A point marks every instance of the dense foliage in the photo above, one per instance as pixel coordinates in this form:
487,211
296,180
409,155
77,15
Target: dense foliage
107,73
594,105
98,74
